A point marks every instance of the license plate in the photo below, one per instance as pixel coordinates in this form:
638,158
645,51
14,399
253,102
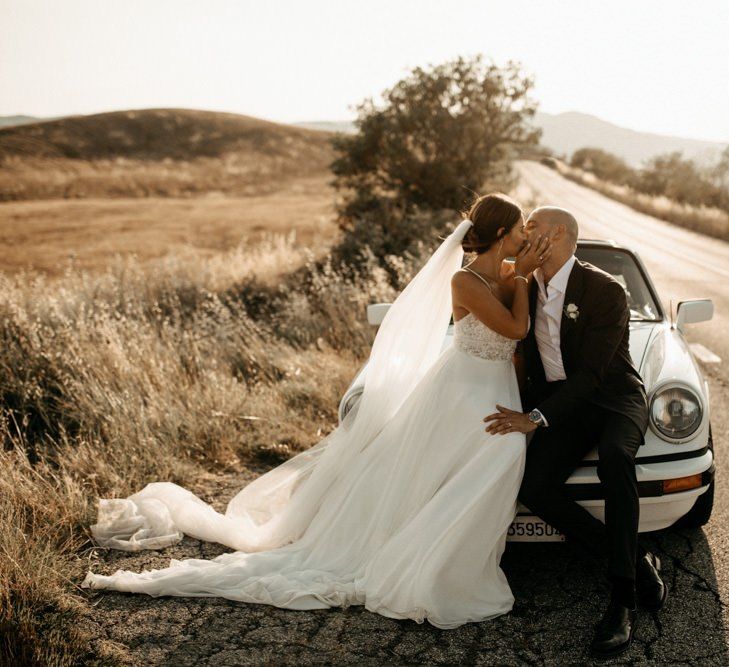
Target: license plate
530,528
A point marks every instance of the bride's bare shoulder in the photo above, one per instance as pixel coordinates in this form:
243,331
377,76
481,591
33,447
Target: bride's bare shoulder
458,277
463,280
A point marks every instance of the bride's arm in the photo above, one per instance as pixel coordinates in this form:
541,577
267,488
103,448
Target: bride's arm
470,294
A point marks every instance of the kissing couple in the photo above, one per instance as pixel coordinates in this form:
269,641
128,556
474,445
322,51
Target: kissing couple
404,508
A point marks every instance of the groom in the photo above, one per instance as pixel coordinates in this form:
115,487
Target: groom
583,391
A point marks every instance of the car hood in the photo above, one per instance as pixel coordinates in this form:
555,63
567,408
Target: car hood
640,336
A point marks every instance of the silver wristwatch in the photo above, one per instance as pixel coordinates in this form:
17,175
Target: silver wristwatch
536,417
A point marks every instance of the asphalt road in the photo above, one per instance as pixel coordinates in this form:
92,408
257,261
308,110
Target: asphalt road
559,594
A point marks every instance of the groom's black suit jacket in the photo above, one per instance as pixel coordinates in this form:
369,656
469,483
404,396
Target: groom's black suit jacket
595,353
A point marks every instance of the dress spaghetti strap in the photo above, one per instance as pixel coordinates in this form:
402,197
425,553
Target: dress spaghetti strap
481,278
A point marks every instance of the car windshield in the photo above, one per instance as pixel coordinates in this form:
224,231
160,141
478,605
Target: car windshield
623,267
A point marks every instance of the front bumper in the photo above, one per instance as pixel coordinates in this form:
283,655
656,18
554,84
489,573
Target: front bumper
658,509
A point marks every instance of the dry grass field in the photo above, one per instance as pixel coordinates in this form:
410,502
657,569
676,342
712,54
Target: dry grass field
49,236
79,192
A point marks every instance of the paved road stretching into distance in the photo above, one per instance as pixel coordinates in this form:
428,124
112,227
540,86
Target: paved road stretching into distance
559,595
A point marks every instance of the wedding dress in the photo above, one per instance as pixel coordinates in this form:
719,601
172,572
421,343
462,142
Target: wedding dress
404,508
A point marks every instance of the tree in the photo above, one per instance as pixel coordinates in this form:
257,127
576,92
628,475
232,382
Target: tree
676,178
604,165
441,133
721,169
720,177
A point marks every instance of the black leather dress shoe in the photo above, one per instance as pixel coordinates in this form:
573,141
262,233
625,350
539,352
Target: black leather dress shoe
649,587
614,632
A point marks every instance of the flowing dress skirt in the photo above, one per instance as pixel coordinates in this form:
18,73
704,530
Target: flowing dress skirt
414,526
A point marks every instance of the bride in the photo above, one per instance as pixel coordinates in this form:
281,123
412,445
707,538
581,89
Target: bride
404,508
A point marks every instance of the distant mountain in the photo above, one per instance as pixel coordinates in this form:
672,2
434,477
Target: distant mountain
345,126
565,133
9,121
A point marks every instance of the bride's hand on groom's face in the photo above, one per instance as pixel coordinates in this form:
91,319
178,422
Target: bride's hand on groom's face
532,255
508,421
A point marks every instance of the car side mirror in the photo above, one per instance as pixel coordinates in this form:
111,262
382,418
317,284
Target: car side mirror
691,312
376,312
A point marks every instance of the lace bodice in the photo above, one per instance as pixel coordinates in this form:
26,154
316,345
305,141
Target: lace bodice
474,337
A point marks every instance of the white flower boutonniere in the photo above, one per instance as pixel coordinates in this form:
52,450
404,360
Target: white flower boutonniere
572,311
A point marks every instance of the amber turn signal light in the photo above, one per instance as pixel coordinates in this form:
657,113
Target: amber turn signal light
682,483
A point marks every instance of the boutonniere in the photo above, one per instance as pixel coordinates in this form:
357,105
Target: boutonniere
571,311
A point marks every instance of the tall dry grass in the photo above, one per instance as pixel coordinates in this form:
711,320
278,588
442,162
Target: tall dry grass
149,373
36,179
45,236
704,219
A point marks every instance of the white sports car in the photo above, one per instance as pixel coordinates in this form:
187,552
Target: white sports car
675,466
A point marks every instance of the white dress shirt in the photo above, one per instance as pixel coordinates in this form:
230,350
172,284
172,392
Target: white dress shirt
548,320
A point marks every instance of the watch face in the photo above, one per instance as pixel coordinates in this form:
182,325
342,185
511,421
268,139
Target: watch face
535,417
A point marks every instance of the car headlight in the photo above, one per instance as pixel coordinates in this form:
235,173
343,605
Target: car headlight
676,412
351,401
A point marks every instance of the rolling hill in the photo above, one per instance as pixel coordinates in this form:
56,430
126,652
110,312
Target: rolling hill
155,152
155,134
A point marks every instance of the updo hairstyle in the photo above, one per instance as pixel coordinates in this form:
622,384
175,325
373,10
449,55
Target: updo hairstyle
489,214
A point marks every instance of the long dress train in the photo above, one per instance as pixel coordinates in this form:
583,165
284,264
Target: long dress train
414,528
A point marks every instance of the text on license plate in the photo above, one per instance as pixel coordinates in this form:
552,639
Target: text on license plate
530,528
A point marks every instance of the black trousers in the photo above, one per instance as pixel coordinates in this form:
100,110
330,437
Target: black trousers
553,454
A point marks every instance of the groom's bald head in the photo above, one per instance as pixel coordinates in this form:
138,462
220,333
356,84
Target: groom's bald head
558,222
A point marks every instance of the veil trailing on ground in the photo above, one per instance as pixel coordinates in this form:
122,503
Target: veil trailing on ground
276,508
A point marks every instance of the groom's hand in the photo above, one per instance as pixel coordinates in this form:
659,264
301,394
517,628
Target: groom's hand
509,421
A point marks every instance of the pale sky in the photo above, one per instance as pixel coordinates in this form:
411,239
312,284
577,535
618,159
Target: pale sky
653,65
